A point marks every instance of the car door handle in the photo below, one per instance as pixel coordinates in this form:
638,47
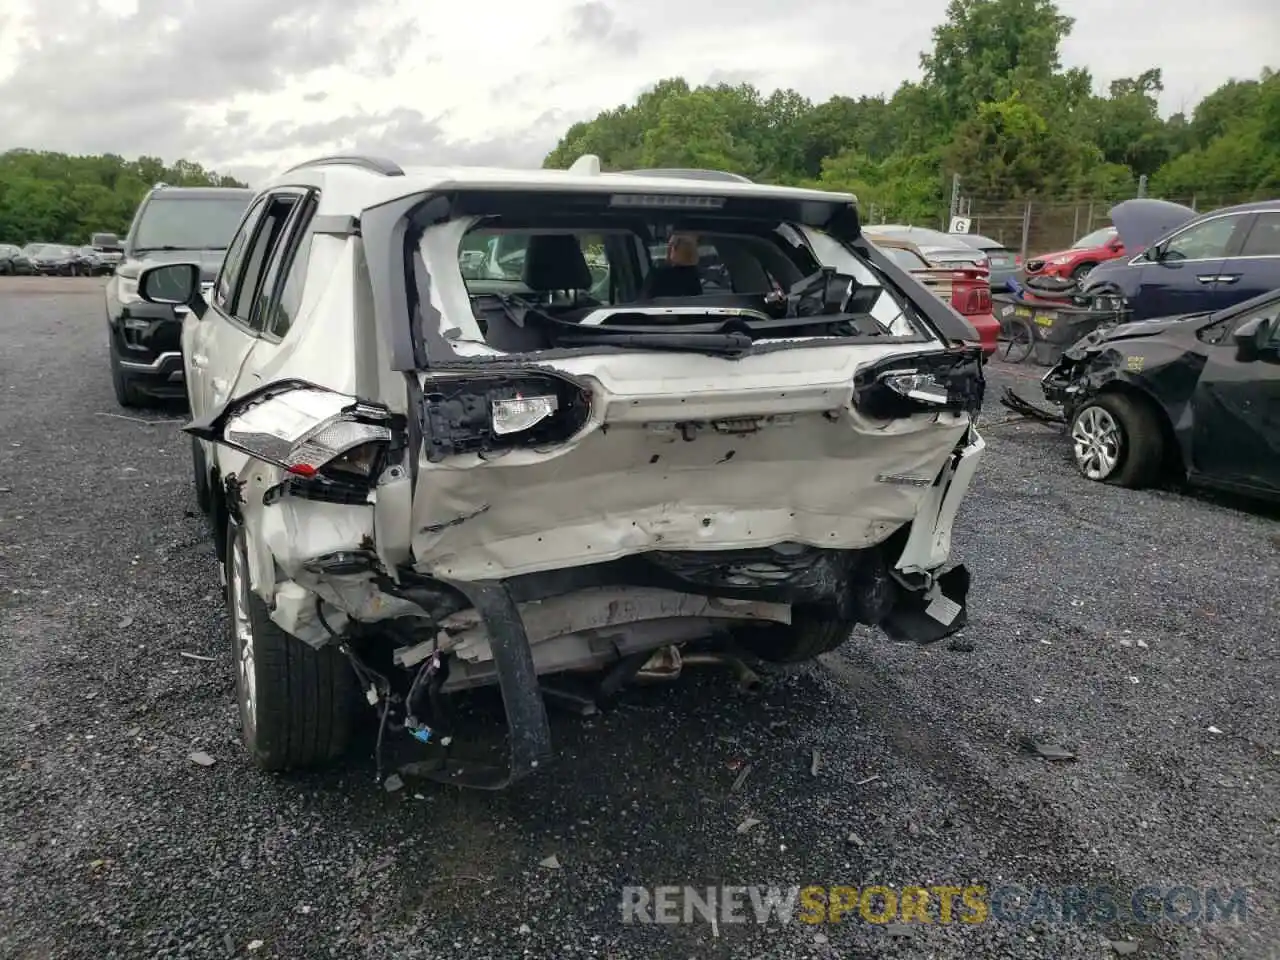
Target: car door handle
199,360
1207,278
1228,277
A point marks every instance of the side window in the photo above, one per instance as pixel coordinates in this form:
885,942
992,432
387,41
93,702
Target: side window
712,270
597,257
280,310
1205,241
225,284
270,232
1220,332
1264,238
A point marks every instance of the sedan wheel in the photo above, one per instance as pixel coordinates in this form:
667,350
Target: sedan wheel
1097,442
1118,439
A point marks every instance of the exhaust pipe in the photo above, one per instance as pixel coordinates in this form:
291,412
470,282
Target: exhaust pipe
668,663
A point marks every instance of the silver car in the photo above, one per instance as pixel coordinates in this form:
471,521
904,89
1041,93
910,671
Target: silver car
941,249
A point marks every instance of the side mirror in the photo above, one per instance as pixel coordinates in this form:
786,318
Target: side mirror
175,284
1251,338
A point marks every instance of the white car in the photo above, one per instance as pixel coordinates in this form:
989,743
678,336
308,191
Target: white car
423,482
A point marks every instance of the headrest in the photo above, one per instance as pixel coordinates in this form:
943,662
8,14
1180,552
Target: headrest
554,261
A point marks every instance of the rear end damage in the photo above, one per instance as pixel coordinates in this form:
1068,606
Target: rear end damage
530,524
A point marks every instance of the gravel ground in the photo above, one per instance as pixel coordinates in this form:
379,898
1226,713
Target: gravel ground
1119,625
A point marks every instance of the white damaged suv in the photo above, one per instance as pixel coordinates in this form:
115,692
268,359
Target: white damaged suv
458,427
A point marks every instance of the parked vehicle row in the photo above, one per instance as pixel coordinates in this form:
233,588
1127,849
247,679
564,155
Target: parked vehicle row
97,258
1191,385
427,475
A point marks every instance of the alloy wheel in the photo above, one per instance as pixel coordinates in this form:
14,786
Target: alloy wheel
1097,443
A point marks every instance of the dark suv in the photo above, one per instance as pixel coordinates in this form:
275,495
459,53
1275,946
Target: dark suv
188,224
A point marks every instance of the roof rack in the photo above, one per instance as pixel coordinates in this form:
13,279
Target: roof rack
388,168
689,174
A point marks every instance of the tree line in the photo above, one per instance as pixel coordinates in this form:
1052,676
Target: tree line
56,198
995,106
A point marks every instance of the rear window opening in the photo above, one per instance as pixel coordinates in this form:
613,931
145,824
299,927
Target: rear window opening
537,283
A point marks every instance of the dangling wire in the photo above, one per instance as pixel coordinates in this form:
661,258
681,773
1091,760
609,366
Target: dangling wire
377,687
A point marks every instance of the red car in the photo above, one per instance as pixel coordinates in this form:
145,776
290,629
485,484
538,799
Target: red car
1085,254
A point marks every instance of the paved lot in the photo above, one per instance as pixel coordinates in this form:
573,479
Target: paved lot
1120,625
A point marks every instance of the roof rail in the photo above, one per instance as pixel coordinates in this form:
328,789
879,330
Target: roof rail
689,174
388,168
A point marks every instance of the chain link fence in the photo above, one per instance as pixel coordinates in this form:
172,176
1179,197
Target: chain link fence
1035,225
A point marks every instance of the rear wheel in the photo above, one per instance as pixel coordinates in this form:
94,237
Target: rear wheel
1117,439
810,633
297,703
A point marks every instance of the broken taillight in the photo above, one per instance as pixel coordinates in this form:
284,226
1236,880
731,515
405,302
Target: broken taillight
930,382
488,413
305,430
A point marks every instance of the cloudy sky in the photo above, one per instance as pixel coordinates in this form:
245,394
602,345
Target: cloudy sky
247,86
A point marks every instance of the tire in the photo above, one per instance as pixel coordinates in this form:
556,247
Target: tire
1117,439
200,478
297,704
127,395
1081,271
809,634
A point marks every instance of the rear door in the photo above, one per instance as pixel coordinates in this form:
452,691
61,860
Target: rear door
233,322
280,298
1186,277
199,334
1256,269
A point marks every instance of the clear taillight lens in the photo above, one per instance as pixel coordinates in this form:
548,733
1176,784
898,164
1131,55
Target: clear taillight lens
521,413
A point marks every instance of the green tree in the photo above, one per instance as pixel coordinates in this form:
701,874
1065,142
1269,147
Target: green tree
988,50
995,106
57,198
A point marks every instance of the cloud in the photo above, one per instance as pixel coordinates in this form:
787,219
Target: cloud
252,86
593,22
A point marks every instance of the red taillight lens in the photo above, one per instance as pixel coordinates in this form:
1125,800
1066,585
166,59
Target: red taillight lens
1017,259
969,297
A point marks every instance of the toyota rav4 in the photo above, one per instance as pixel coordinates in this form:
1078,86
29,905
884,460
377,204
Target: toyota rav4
426,476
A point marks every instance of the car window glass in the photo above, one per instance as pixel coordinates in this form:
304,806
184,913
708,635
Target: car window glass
1264,238
904,258
232,262
269,233
494,260
1096,239
1204,241
185,222
280,312
593,248
1221,331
